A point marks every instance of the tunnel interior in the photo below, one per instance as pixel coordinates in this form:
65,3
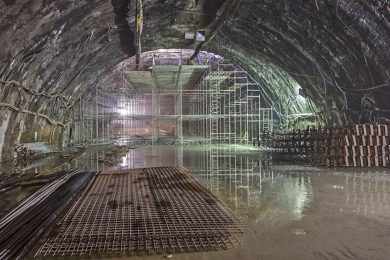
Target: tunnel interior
127,127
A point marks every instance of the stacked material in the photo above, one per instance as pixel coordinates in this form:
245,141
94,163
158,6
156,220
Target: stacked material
20,228
328,147
143,211
365,145
296,142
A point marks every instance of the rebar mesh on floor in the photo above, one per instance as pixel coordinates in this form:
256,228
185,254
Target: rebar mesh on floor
143,211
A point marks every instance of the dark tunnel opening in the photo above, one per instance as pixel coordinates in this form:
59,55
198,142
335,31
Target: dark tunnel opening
122,12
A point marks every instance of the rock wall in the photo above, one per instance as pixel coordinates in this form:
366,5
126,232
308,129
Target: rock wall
55,48
337,50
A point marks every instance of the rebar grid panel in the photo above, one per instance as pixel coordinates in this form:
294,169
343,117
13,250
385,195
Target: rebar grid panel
143,211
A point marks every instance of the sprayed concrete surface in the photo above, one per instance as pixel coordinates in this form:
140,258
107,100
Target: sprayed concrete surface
293,212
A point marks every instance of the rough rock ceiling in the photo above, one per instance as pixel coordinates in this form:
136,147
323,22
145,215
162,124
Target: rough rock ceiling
336,49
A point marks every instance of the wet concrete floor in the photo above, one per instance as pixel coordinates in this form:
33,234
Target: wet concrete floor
292,211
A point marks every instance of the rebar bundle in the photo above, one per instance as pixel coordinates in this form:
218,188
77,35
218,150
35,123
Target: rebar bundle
21,228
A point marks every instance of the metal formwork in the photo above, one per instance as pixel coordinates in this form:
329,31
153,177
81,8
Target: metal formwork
143,211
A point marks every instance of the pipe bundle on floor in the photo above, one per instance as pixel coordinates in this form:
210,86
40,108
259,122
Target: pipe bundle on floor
21,227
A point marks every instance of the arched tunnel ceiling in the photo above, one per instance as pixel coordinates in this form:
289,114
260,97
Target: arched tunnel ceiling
337,50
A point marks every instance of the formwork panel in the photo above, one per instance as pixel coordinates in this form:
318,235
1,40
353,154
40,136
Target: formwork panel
143,211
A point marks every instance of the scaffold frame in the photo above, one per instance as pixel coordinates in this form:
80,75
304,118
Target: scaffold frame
224,106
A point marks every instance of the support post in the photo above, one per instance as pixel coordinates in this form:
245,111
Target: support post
155,114
179,108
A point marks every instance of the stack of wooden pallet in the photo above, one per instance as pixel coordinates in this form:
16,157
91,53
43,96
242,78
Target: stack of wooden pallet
365,145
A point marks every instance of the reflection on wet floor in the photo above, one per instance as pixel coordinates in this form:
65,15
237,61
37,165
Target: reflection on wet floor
246,180
293,212
367,195
243,179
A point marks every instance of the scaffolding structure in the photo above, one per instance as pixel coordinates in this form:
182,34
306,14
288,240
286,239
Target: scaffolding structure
223,106
229,107
106,117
